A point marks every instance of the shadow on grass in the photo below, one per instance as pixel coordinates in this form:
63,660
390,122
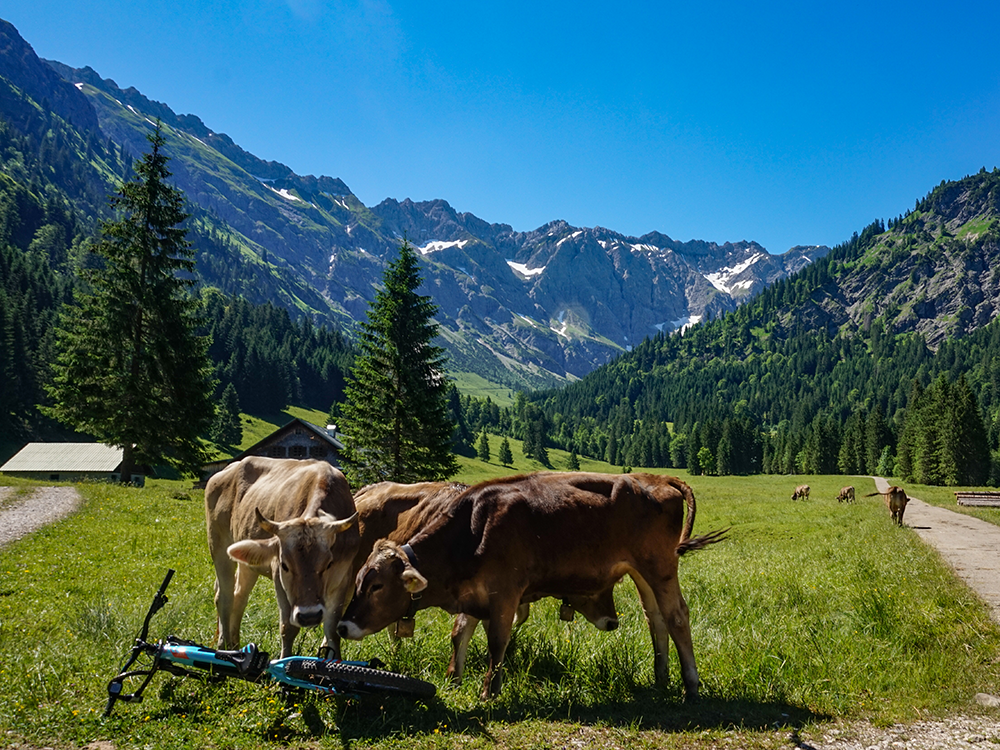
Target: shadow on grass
648,709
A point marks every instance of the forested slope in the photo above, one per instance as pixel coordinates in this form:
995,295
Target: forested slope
783,383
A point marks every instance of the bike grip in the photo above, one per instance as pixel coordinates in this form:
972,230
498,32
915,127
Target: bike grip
166,582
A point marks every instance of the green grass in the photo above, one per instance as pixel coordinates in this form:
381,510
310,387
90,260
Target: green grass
471,384
472,470
811,611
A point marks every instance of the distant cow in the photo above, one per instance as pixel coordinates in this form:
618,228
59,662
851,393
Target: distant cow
895,500
389,510
518,538
293,521
846,495
801,492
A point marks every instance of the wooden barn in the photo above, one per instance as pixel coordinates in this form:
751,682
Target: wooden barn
297,439
68,462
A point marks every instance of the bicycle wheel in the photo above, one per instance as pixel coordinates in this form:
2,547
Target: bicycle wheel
351,678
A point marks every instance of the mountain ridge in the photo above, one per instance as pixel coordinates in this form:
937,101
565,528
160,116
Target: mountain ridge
528,309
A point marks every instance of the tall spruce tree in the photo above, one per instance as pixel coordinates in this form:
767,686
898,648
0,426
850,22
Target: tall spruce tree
395,415
505,456
130,369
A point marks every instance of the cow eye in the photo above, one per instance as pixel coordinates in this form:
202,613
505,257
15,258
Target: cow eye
375,587
284,567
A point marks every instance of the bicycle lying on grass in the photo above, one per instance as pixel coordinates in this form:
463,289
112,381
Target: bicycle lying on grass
188,659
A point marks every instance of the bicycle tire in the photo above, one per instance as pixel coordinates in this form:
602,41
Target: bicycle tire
351,678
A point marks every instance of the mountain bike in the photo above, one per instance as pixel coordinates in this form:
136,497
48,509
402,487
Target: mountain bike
189,659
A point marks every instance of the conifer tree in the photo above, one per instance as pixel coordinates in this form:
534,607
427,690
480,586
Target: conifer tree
505,456
395,416
227,429
483,447
129,369
573,464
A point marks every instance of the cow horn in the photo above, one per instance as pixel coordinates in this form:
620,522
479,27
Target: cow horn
267,525
338,526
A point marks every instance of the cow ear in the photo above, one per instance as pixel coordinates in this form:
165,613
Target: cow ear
413,582
254,552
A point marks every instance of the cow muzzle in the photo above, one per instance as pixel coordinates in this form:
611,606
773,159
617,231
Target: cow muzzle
307,617
350,631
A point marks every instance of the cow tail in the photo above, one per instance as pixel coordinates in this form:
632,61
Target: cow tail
700,542
688,543
689,521
873,494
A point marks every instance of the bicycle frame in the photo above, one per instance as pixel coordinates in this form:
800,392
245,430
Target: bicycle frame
189,659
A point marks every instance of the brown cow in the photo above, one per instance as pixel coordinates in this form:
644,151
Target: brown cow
801,492
388,510
514,539
293,521
846,495
895,500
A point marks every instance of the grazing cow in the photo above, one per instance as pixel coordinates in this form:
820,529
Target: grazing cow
516,539
801,492
846,495
895,500
388,510
293,521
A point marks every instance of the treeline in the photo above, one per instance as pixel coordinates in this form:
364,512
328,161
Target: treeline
271,360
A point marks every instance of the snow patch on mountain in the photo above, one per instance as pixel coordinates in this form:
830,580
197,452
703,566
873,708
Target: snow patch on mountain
722,280
569,237
523,269
437,245
681,324
286,195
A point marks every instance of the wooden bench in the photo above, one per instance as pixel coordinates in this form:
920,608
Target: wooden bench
983,498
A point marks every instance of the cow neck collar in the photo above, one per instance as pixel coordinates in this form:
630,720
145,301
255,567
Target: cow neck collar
411,611
411,556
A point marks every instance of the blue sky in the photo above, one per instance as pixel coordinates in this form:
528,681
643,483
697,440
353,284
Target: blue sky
785,123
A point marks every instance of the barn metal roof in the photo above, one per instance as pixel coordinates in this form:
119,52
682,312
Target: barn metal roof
65,457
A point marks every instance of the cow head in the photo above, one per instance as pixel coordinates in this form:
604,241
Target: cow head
599,609
384,589
304,557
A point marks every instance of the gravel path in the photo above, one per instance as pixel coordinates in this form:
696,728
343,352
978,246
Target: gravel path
969,545
24,515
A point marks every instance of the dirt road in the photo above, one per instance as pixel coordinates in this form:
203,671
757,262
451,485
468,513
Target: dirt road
970,546
22,515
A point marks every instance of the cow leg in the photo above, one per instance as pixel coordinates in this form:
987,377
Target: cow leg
674,611
522,614
225,586
497,638
461,635
330,647
657,630
289,631
245,580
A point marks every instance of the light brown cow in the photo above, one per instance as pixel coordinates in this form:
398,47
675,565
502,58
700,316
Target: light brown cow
388,510
895,501
801,492
290,520
510,540
846,495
